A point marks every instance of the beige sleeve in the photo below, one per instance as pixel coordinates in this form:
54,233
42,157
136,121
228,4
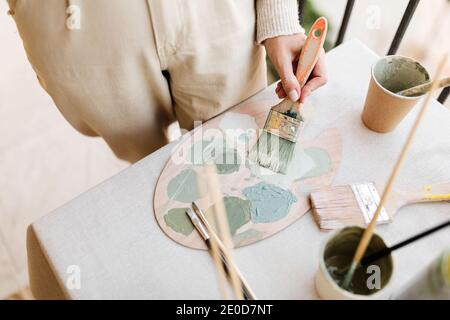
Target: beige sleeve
276,18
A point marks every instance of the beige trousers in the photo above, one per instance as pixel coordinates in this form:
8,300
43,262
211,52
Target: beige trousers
123,69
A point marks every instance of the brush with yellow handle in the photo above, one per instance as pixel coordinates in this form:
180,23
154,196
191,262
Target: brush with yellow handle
275,147
335,207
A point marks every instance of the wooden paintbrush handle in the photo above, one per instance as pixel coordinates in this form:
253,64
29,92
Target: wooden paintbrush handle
430,193
311,50
309,55
422,88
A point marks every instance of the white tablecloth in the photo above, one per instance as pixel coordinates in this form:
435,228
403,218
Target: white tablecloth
111,236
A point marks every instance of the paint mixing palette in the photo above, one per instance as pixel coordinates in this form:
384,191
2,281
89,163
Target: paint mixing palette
258,202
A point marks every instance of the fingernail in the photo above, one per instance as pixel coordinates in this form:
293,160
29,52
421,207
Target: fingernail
293,95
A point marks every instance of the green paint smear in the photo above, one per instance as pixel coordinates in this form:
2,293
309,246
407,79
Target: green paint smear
322,162
215,151
178,221
238,212
247,237
269,202
184,187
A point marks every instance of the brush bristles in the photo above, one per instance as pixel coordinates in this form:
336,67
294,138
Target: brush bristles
272,152
335,207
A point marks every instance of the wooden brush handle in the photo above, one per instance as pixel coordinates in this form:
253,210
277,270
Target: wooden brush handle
308,58
311,50
422,88
430,193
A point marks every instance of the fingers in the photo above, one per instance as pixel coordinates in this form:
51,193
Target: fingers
289,82
291,87
310,86
280,91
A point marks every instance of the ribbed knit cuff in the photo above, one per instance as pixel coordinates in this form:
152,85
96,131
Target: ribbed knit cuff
275,18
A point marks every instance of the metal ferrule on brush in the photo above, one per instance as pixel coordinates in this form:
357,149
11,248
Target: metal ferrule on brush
283,126
275,147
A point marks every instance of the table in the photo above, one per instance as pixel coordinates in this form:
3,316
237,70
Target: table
109,235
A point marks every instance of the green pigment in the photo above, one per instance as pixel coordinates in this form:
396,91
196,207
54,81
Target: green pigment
337,267
338,256
321,160
178,221
269,202
246,237
184,187
237,210
215,151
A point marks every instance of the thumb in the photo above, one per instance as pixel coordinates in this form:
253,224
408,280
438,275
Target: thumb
289,82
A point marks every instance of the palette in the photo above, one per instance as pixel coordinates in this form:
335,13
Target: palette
258,202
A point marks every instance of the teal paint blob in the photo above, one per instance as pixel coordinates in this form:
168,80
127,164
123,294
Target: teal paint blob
269,202
238,212
321,160
215,151
178,221
184,187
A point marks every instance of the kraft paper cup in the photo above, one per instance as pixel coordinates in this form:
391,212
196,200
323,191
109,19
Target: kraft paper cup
383,108
344,242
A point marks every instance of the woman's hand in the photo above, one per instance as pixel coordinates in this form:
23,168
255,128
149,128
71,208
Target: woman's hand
284,52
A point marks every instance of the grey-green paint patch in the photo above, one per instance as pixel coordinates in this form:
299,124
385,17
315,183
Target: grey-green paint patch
399,73
246,237
215,151
238,212
178,221
184,187
269,202
227,162
321,160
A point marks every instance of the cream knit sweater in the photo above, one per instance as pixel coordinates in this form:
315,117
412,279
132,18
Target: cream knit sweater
276,18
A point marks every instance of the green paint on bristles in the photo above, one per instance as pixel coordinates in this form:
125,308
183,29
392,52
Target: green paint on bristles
290,113
272,152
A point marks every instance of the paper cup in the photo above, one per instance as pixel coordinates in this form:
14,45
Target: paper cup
343,243
384,109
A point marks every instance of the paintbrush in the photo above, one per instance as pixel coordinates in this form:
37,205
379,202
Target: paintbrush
339,206
423,88
275,146
248,292
204,232
367,235
382,253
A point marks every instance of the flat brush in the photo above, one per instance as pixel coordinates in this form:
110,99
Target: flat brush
382,253
275,147
335,207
